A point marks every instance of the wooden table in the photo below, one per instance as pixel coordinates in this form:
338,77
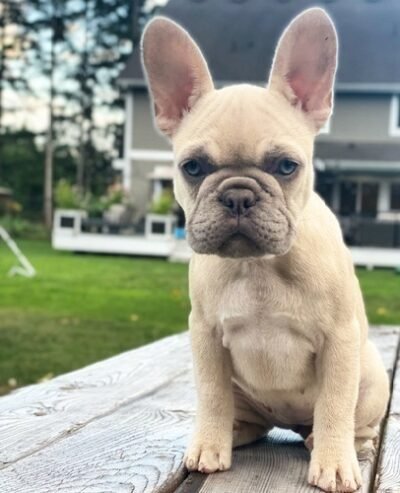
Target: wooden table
121,426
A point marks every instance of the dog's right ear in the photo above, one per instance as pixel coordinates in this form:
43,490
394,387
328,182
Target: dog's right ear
177,72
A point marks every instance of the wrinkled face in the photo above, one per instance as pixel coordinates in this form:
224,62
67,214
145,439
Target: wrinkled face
245,175
243,154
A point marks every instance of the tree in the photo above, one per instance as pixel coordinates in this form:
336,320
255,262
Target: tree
86,44
11,53
76,50
22,162
107,31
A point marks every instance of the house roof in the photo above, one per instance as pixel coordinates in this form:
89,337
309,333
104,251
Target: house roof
238,38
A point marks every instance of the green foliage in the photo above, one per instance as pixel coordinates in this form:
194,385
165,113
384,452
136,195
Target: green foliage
18,227
163,205
10,207
66,196
96,206
22,170
82,47
78,49
114,197
21,163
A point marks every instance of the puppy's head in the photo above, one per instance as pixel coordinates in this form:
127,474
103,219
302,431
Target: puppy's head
243,154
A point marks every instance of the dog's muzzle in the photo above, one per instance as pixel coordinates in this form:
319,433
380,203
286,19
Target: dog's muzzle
238,195
239,216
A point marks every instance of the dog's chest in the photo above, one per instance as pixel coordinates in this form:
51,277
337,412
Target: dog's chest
267,343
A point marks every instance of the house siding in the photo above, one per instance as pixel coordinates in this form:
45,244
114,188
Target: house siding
144,134
141,187
361,118
358,117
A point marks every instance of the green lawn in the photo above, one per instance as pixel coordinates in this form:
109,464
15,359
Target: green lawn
83,308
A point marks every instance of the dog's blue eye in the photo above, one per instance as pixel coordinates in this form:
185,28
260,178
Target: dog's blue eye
286,167
193,168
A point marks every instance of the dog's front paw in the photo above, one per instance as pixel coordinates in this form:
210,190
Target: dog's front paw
335,472
209,457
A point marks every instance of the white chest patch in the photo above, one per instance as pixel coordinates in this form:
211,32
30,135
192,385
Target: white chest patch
268,348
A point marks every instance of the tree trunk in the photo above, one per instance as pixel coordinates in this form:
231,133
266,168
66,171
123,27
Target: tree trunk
2,61
48,176
81,165
49,164
80,175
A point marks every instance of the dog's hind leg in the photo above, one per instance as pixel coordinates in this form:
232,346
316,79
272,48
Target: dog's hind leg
244,433
372,400
249,424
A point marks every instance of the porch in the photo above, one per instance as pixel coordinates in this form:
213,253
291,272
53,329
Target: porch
365,195
159,236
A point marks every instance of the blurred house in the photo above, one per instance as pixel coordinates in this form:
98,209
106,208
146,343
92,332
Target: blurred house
357,155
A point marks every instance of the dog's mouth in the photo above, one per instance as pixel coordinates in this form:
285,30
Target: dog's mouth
238,244
237,240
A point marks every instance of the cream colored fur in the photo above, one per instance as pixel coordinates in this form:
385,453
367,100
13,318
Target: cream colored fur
277,339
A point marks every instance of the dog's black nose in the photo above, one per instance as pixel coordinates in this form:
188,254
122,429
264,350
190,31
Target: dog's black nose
238,200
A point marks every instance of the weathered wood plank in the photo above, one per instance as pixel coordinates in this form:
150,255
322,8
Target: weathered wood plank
122,425
388,471
138,448
279,463
36,416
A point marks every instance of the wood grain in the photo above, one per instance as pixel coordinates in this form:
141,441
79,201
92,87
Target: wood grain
122,426
137,448
279,463
388,471
39,415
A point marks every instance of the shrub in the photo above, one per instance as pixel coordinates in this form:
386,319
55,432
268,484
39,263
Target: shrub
164,204
21,228
10,207
66,196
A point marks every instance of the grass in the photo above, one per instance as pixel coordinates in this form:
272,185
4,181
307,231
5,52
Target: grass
84,308
381,289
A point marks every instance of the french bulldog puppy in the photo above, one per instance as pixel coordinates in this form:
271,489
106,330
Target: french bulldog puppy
278,326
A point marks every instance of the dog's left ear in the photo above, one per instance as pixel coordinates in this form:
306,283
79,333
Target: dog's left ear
305,64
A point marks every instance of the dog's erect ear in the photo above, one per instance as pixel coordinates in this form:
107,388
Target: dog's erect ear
305,64
176,71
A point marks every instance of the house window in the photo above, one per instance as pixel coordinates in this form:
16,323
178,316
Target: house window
67,222
358,197
325,184
394,123
395,197
369,199
348,198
